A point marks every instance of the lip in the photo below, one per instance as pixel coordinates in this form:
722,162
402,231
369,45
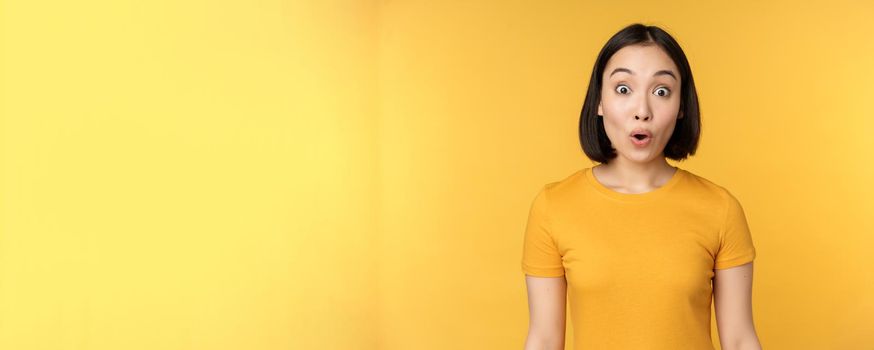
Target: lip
640,143
641,131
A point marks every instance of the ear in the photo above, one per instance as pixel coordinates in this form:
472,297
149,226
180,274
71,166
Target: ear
681,115
600,110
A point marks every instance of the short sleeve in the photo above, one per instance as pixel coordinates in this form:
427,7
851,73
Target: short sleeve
540,255
735,241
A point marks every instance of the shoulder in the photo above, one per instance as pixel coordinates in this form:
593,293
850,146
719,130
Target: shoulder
709,194
563,187
705,187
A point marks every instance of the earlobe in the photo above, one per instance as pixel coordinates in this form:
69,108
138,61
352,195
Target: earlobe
600,111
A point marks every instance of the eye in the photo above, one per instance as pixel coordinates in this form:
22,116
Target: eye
622,89
666,91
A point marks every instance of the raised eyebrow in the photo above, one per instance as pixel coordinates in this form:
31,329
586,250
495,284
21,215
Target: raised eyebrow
661,72
665,72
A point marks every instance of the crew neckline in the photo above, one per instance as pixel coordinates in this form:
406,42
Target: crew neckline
634,197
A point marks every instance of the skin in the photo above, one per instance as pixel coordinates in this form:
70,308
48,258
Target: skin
642,97
633,100
546,310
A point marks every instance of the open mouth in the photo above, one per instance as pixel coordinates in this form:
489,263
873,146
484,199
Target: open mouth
641,140
640,137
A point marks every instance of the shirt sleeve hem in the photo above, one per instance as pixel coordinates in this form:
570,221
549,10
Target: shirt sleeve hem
735,262
542,272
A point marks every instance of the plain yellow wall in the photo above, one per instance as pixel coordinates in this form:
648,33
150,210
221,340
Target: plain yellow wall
188,175
356,175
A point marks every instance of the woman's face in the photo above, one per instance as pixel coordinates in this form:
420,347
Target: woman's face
640,90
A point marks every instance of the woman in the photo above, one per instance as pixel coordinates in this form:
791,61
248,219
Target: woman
634,243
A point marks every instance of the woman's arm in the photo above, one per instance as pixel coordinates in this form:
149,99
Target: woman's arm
732,292
546,309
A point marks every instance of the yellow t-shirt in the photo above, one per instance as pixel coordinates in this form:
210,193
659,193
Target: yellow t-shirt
638,266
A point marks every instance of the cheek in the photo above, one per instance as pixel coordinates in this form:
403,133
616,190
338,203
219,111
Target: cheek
667,108
611,104
615,114
614,127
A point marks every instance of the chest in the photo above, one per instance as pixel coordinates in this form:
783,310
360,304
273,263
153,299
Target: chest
667,249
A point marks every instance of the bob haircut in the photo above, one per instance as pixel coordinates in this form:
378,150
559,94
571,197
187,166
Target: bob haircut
684,140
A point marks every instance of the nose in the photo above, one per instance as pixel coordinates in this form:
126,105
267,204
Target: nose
643,111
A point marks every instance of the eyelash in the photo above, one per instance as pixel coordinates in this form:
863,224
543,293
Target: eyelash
668,90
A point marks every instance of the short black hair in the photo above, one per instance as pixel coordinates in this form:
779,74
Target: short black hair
684,141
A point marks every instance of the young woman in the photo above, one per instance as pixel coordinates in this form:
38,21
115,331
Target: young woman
639,248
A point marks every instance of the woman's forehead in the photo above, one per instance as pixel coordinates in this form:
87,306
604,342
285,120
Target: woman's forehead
640,60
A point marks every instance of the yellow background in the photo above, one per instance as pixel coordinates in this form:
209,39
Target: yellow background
356,175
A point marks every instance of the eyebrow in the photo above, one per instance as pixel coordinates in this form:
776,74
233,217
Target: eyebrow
661,72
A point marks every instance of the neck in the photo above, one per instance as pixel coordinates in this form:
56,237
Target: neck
635,175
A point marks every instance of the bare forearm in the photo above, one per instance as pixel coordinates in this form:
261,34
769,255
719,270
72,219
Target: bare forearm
748,343
537,342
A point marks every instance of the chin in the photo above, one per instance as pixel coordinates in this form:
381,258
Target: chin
640,157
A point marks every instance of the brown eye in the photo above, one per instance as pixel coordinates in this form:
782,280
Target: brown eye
666,92
622,89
